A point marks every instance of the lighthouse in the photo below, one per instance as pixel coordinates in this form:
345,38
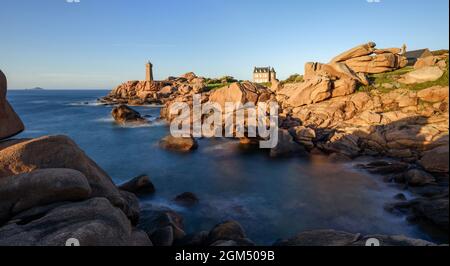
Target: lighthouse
148,71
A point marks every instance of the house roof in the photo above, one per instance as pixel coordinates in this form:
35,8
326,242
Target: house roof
263,70
417,53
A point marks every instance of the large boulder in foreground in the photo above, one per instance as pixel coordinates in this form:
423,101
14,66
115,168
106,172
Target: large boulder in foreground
178,143
28,155
40,187
10,123
339,238
123,114
94,222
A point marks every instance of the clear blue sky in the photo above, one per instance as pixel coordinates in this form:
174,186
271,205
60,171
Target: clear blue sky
101,43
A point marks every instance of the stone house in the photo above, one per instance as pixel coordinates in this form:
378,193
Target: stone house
264,74
413,56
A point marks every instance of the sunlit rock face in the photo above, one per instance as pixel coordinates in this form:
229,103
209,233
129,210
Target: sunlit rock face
10,123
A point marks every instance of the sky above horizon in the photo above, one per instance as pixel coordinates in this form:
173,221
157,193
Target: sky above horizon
98,44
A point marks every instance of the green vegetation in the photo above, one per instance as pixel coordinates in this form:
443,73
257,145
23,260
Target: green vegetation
215,86
293,79
221,80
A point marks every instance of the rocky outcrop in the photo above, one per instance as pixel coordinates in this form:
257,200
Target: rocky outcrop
93,222
242,93
341,76
340,238
51,191
367,59
57,152
123,114
154,92
41,187
10,123
402,123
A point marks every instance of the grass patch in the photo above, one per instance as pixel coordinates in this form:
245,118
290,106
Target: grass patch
215,86
377,80
295,78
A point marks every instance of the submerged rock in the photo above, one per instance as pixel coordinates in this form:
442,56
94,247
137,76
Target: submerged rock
340,238
187,199
139,185
415,177
178,143
155,220
228,231
385,167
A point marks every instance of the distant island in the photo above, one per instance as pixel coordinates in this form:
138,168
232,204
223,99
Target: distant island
35,89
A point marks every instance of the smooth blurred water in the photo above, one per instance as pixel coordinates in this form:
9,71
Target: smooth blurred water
271,198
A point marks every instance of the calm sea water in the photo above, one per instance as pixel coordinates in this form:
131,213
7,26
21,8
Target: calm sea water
271,198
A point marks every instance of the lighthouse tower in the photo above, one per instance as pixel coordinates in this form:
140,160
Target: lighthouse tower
148,71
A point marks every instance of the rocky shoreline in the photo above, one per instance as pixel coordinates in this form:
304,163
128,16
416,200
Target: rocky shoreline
51,191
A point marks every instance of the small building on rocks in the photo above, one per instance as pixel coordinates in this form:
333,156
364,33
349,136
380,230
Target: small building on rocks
413,56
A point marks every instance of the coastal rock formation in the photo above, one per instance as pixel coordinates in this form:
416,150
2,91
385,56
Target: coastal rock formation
123,114
367,59
395,124
340,238
341,76
45,152
242,93
93,222
154,92
10,123
41,187
51,191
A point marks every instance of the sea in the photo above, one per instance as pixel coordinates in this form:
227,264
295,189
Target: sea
272,198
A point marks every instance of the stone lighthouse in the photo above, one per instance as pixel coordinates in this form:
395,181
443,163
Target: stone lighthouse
149,71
